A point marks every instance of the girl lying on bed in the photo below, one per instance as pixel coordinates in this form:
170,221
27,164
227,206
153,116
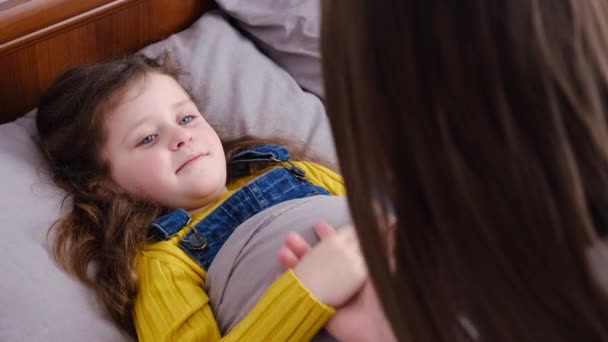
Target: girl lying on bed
156,196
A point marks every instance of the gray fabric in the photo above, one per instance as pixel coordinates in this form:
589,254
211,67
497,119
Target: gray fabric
288,31
239,90
247,263
38,302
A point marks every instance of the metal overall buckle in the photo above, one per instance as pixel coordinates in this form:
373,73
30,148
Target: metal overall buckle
298,172
196,240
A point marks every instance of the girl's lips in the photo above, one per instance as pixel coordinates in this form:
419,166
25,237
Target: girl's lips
190,160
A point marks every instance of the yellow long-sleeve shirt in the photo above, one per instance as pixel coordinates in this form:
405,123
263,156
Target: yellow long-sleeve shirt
172,304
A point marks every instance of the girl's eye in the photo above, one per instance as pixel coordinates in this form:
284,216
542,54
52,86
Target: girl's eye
148,139
186,119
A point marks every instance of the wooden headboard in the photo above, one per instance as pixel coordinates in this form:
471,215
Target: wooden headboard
39,39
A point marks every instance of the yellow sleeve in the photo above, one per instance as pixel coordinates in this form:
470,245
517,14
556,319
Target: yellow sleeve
286,312
322,176
173,306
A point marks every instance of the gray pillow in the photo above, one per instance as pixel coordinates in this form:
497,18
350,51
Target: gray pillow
288,31
39,302
240,90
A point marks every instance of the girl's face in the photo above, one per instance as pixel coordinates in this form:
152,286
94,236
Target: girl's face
159,146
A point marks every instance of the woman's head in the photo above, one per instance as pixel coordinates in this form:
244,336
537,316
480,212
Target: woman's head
137,131
484,124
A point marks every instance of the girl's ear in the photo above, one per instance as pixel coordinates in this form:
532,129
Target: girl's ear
105,187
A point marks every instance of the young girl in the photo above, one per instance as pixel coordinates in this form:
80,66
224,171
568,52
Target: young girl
154,201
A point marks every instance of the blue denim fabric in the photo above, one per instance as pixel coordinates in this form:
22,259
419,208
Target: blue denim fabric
278,185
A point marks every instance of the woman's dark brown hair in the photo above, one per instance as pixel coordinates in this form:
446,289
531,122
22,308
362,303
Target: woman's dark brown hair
482,126
99,238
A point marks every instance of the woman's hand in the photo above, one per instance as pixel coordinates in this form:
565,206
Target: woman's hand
361,319
334,270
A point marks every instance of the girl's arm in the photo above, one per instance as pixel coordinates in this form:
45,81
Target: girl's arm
172,304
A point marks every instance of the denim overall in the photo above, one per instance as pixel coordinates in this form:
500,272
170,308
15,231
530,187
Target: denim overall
204,240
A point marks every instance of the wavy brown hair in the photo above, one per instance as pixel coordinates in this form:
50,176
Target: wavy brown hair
482,126
98,240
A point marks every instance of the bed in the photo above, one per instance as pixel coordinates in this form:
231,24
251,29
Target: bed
40,38
253,68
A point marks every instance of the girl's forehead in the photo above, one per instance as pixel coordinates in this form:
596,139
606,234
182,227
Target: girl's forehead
147,94
145,99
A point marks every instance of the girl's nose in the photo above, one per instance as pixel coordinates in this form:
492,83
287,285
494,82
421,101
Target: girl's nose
181,138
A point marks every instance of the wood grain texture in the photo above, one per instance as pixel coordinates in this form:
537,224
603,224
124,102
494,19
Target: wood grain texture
32,55
19,17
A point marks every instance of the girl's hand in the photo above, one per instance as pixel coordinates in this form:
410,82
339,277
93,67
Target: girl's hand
334,270
362,317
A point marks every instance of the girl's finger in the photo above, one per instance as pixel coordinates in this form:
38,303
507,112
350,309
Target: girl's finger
287,258
324,229
297,245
